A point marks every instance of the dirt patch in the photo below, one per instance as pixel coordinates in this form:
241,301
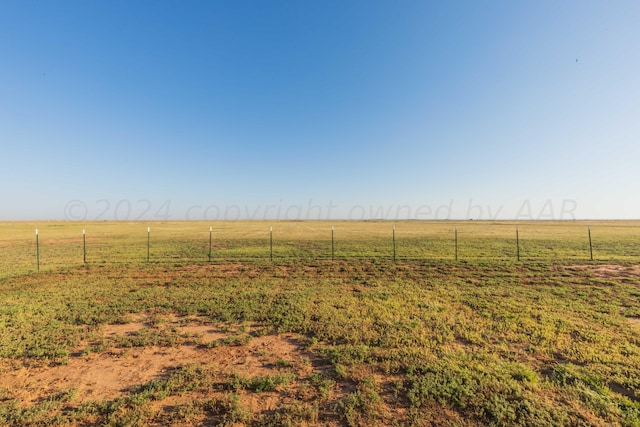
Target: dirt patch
205,333
97,376
124,329
240,371
608,271
635,321
115,372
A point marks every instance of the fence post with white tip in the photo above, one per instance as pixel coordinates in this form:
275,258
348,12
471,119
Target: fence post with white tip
148,243
517,244
393,236
37,251
332,245
210,241
455,232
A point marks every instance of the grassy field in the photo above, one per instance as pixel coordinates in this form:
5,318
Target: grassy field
60,244
304,340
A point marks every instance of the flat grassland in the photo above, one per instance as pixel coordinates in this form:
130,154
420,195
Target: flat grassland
293,332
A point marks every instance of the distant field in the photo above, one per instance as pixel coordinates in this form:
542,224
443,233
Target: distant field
304,340
61,243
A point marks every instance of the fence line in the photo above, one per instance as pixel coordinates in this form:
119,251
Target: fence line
171,242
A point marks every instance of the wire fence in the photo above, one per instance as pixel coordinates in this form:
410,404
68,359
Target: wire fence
60,244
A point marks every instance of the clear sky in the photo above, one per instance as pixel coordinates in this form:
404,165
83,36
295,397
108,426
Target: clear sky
319,109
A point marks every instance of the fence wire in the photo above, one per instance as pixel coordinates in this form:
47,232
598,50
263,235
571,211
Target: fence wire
62,244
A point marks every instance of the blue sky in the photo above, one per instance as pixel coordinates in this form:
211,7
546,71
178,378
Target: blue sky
283,109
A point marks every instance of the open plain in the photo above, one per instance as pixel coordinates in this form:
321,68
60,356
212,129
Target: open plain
301,326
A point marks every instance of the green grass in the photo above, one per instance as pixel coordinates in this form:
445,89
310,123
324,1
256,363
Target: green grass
61,243
426,340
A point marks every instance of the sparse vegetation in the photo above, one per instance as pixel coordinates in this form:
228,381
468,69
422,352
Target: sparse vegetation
482,341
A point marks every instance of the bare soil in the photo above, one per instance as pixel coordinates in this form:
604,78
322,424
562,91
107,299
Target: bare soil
608,271
113,373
